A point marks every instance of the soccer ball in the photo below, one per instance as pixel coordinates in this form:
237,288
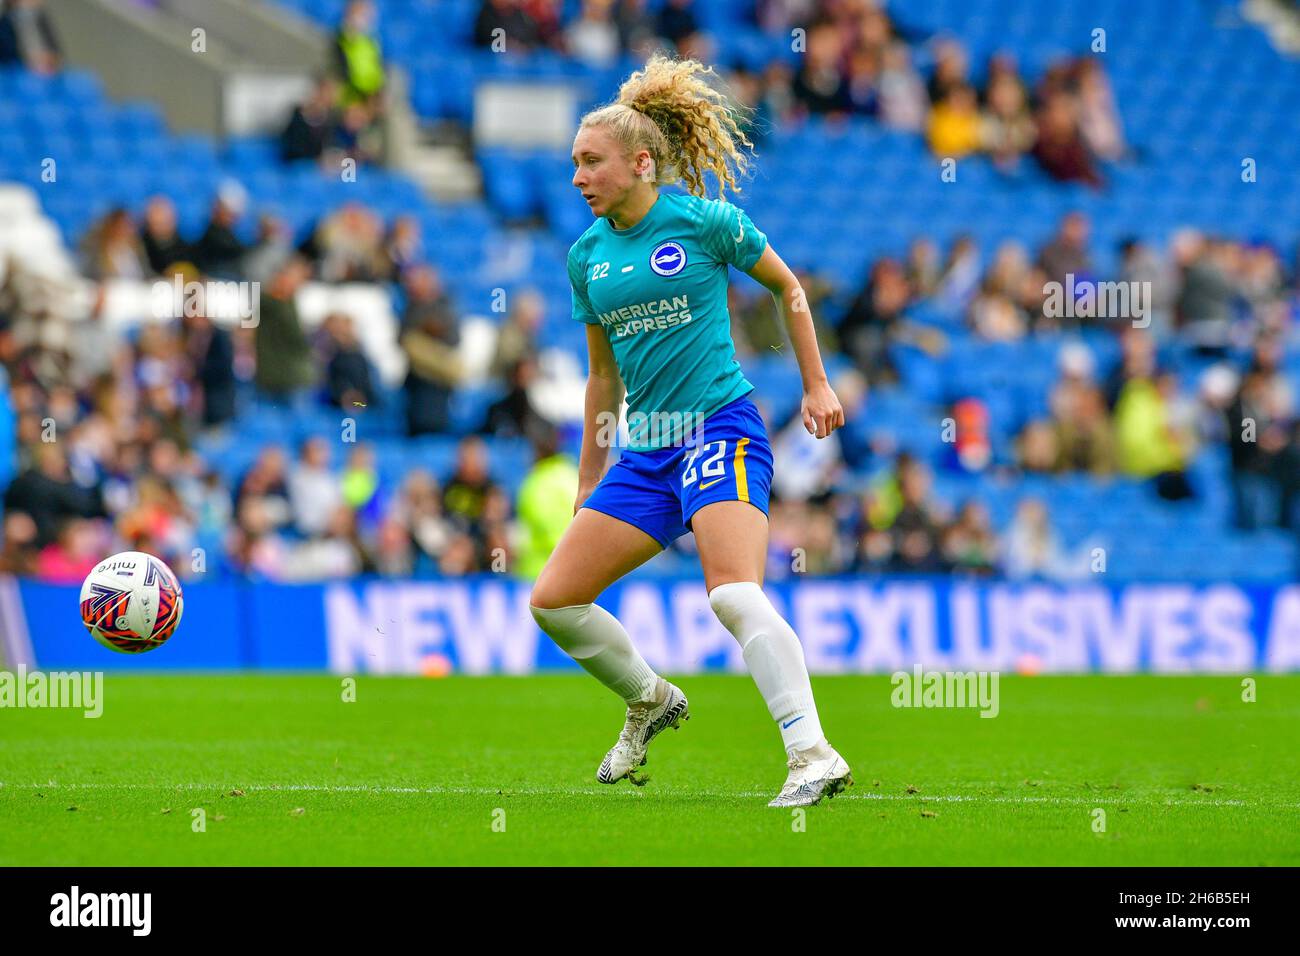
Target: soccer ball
131,602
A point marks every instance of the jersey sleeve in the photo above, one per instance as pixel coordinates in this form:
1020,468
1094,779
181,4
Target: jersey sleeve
729,235
582,310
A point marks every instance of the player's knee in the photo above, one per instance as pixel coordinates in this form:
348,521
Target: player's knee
561,623
546,597
736,603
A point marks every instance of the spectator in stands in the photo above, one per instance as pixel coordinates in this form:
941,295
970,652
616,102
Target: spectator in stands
315,492
1030,547
219,251
636,28
1037,451
1147,439
860,82
1006,128
679,26
1099,121
404,247
969,545
350,245
904,102
46,492
356,136
18,550
1137,360
1059,147
916,526
959,280
1007,272
517,337
513,415
505,27
1139,263
755,118
496,547
347,370
460,557
266,481
806,467
951,70
545,501
162,243
593,37
284,358
953,129
310,129
93,348
27,37
810,543
255,547
922,267
1205,303
419,508
270,252
1084,438
1067,252
337,552
430,338
211,355
819,85
994,317
358,59
72,555
778,100
873,319
851,387
393,555
208,499
112,250
464,496
157,518
427,300
363,490
1259,424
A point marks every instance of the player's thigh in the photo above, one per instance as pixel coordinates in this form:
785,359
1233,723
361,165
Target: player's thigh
731,537
594,552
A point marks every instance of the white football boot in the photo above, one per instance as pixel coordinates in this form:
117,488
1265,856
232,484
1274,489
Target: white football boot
814,773
644,723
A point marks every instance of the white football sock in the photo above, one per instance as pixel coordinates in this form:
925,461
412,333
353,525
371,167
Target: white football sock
595,639
775,660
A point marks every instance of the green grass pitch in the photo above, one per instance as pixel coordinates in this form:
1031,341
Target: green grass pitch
418,771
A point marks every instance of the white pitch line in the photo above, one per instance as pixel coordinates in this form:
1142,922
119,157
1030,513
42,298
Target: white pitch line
632,791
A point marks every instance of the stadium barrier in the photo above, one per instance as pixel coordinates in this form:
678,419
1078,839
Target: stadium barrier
482,625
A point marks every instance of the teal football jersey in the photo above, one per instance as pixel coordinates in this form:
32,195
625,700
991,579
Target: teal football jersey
659,290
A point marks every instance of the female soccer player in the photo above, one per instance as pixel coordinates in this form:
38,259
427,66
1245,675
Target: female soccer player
650,281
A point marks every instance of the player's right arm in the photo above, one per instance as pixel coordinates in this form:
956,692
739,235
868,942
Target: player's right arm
600,419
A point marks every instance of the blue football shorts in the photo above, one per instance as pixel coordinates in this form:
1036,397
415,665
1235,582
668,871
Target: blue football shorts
727,459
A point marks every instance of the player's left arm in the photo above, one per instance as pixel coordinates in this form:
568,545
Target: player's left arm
822,412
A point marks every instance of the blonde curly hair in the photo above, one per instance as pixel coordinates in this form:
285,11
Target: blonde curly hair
688,127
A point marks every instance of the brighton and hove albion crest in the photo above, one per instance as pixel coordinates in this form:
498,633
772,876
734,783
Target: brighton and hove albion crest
668,258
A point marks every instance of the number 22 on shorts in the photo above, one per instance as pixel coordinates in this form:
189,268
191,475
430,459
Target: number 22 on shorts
714,465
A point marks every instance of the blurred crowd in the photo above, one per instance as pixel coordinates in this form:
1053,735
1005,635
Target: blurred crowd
108,425
340,119
854,61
